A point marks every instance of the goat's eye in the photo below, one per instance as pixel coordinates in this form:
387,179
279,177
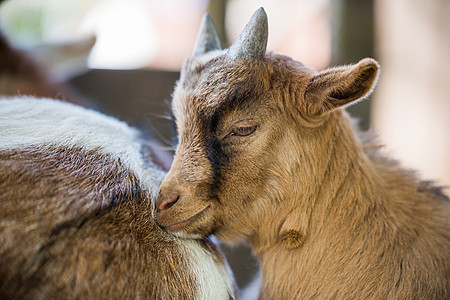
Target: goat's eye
243,131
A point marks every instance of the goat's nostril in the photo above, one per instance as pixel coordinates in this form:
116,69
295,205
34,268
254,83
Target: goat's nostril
167,202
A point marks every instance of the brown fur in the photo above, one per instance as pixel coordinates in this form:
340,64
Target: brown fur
76,224
326,213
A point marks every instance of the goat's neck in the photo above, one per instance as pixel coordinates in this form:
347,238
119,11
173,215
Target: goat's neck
350,218
332,198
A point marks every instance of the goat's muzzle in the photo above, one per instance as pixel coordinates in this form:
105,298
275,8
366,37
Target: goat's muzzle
165,202
176,211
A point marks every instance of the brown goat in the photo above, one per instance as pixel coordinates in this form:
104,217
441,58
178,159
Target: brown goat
267,155
76,213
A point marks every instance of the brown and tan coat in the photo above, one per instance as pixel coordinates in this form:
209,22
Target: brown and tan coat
266,154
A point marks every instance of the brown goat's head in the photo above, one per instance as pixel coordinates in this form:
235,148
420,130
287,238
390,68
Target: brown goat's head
247,123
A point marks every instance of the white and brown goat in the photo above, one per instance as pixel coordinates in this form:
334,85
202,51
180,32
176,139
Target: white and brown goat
76,217
267,155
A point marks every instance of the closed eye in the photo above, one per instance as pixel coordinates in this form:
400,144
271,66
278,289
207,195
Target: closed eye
243,130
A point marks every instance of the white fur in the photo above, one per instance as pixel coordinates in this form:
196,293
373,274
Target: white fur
210,279
27,121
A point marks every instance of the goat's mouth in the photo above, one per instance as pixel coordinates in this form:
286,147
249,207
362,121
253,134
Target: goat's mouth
183,224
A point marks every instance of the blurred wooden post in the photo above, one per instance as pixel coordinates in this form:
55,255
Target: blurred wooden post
352,26
412,100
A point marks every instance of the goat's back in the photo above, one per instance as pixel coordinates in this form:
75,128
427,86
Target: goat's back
76,192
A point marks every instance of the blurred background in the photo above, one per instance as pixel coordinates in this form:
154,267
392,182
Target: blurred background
123,57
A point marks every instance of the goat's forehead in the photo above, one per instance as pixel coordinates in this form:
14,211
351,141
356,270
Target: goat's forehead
210,82
207,85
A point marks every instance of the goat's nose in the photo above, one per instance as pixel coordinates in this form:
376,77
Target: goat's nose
166,201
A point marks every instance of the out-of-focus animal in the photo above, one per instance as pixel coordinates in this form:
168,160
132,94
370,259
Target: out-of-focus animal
21,74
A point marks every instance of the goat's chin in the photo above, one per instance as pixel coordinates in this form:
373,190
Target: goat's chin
196,226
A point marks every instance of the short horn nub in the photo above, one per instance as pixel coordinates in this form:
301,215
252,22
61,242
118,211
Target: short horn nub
207,40
252,42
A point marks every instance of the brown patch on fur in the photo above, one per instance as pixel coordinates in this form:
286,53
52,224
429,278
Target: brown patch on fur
294,229
291,238
76,224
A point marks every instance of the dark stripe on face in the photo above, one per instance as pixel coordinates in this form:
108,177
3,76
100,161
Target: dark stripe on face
238,95
217,158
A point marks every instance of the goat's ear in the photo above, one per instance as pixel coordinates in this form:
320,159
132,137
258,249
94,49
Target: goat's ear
337,87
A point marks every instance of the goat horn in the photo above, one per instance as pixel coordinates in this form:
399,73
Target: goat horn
252,42
208,39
